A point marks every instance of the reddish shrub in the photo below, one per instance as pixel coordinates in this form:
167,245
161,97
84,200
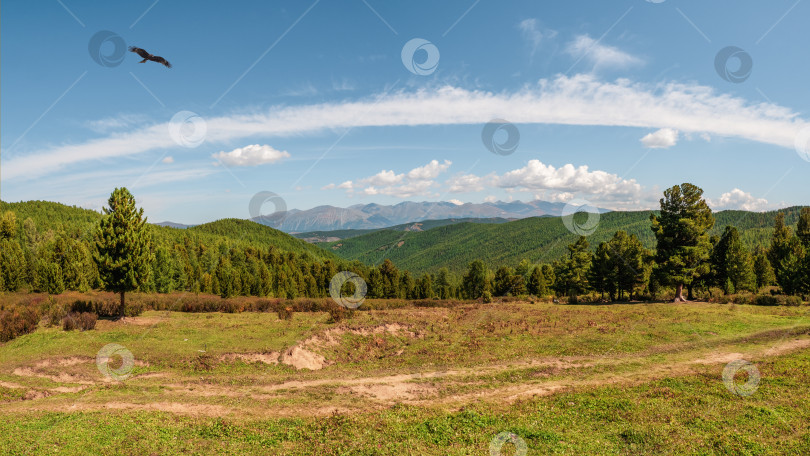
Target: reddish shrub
87,321
22,319
69,322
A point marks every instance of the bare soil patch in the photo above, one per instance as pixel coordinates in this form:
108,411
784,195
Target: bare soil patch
301,358
266,358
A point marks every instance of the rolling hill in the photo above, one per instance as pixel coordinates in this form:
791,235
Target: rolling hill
539,239
336,235
79,223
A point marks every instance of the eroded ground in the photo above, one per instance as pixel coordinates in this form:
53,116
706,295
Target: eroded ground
255,366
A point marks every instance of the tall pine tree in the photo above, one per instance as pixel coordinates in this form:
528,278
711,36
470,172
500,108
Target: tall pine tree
681,232
786,256
123,253
572,273
734,269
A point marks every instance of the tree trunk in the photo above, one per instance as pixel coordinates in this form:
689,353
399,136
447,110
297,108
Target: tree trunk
689,295
121,313
679,293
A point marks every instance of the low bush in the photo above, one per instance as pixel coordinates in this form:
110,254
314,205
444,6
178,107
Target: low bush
87,321
777,300
84,321
339,313
20,319
284,311
69,322
54,311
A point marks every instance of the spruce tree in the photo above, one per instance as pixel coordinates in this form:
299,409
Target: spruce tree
681,232
628,256
803,228
406,285
502,284
536,284
443,284
523,268
571,274
602,276
786,256
374,284
424,287
737,267
123,253
13,265
763,270
390,279
475,281
803,233
548,275
8,225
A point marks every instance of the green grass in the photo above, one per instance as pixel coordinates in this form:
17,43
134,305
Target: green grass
624,381
689,415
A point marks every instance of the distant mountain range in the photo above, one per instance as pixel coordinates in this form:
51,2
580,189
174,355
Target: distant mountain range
173,225
376,216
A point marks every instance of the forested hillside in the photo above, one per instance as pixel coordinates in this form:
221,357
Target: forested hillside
321,236
538,239
49,247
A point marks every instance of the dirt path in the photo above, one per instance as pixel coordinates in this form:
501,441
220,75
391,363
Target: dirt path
193,396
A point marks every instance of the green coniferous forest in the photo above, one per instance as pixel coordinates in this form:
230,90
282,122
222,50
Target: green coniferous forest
48,247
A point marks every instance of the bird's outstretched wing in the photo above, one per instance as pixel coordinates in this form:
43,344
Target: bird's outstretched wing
140,52
159,59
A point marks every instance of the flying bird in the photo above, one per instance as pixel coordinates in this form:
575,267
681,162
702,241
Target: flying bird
147,56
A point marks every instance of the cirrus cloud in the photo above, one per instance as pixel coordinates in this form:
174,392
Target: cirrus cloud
600,55
575,100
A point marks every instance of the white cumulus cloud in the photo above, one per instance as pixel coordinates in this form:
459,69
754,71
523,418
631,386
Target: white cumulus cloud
738,199
416,182
538,176
661,139
465,183
252,155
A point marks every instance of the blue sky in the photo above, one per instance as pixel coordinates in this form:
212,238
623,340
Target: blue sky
613,102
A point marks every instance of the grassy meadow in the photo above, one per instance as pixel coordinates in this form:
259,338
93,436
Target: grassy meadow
566,379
